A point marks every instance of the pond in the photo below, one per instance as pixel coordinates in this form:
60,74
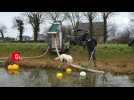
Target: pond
47,78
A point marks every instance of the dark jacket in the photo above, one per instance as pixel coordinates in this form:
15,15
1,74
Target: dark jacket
91,44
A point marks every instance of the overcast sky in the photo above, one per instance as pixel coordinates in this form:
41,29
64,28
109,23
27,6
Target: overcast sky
121,19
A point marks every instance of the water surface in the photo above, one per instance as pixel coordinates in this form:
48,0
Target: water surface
47,78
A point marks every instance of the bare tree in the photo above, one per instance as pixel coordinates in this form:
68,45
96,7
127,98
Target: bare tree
35,19
3,29
105,16
90,16
55,16
74,18
131,24
112,29
19,24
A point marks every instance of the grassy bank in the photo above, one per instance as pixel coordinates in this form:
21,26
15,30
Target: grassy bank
26,49
110,51
116,58
105,52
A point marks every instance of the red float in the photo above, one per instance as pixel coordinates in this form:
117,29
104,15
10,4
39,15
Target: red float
15,56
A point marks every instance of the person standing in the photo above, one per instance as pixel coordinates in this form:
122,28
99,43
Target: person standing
91,44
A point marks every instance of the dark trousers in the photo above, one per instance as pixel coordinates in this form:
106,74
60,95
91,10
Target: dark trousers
93,53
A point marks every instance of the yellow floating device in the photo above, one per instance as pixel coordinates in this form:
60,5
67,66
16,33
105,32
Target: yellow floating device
59,75
13,67
68,70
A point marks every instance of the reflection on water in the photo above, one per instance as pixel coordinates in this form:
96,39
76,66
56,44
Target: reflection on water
47,78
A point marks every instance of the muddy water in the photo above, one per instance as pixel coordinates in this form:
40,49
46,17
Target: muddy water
47,78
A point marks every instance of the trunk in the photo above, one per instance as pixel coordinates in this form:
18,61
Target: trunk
105,29
76,28
36,29
35,35
77,25
20,36
2,35
21,32
91,27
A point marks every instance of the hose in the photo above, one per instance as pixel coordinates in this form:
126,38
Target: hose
37,56
4,58
56,46
57,51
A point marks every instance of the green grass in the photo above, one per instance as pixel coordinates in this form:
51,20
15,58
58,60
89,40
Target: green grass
27,49
104,51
